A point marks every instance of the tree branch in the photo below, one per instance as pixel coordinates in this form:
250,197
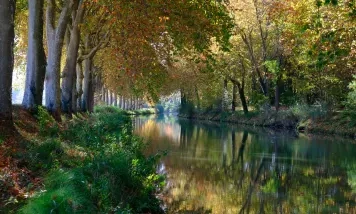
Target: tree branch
63,18
50,15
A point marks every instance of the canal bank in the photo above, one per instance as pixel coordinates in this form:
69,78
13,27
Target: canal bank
90,163
333,123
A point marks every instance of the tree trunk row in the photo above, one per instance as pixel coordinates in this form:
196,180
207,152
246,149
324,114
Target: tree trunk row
76,90
110,98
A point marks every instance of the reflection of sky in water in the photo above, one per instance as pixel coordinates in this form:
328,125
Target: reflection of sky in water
214,169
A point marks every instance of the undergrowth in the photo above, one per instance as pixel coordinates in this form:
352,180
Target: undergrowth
94,165
47,124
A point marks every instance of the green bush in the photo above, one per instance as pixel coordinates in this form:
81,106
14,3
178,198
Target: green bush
107,109
304,111
64,194
47,124
45,155
111,174
258,100
351,96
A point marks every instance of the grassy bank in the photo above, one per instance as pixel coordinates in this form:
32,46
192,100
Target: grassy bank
89,164
301,118
142,111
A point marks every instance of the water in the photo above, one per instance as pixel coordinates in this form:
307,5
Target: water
214,168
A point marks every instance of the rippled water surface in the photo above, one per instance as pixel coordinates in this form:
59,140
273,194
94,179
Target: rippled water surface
215,168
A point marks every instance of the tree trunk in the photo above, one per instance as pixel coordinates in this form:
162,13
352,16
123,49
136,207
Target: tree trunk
224,104
197,97
107,97
249,44
234,97
243,99
74,95
183,100
121,102
111,98
127,103
102,93
277,94
7,34
71,61
115,100
91,90
52,77
36,58
55,37
241,88
87,84
132,103
79,85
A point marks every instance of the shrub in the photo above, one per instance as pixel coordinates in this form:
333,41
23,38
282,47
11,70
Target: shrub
351,96
47,125
107,172
65,193
304,111
45,155
258,100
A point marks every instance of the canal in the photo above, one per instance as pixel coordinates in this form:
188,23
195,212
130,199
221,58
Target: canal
222,168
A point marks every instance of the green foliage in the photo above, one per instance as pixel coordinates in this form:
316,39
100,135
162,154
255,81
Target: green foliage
304,111
63,195
107,110
334,2
351,96
45,155
257,100
348,115
47,124
96,166
271,186
274,68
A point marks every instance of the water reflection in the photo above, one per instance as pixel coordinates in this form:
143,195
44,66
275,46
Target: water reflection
226,169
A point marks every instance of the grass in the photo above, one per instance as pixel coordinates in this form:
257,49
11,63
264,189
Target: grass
90,164
145,111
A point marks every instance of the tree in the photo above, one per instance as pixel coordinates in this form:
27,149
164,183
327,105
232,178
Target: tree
36,59
251,26
317,40
69,71
147,34
92,44
240,86
7,34
55,36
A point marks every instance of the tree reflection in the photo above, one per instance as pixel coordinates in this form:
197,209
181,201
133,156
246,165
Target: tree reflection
213,169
